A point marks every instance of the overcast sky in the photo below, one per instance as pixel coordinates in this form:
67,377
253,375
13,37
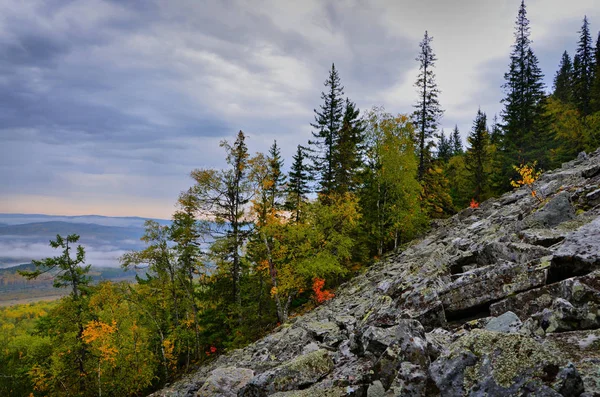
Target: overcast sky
106,106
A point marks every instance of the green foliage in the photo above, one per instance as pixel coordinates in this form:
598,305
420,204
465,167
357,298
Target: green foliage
327,125
390,197
584,70
427,109
563,80
478,157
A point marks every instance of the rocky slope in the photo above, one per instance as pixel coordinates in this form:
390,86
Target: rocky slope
496,301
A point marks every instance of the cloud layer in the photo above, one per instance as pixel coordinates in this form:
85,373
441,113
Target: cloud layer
105,106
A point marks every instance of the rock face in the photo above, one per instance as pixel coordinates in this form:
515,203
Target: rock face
495,301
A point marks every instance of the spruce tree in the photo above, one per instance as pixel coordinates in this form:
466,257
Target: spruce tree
456,142
524,102
495,132
563,80
584,70
427,109
328,121
348,152
595,102
477,156
276,176
297,186
444,147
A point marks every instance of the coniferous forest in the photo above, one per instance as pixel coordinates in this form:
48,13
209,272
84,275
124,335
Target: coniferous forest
266,238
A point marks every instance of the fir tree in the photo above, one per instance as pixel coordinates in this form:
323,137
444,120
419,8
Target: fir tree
427,109
456,142
495,132
328,121
297,187
477,156
595,101
584,70
563,80
276,176
348,152
523,104
444,147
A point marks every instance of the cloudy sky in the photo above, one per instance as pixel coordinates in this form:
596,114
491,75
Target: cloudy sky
106,106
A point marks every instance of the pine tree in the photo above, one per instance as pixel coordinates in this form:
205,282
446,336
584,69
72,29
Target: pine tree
523,105
595,101
276,176
456,142
348,151
444,147
328,121
584,70
477,156
297,187
563,80
427,109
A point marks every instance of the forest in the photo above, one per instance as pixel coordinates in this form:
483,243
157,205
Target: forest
252,245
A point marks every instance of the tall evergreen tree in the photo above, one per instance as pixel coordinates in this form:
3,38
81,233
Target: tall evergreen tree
297,186
495,132
456,142
444,147
584,70
563,80
427,109
523,105
595,102
348,152
328,121
276,176
477,156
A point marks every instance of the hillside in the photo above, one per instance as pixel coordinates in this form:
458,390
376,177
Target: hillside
499,300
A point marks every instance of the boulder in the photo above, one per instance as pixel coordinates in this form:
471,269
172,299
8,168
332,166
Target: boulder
507,322
498,364
582,348
298,373
225,382
489,284
558,210
579,254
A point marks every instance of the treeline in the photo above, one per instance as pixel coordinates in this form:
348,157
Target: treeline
533,126
261,240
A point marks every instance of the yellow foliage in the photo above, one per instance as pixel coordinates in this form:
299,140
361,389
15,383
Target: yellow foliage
528,175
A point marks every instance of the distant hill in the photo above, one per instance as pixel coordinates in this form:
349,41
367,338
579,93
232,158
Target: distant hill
132,221
24,237
85,230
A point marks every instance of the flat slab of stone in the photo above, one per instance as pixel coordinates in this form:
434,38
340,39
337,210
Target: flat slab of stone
489,284
579,254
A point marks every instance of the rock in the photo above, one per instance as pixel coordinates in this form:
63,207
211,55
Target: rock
376,390
327,332
593,198
490,284
413,380
582,348
298,373
507,323
579,254
558,210
314,391
225,382
543,237
501,364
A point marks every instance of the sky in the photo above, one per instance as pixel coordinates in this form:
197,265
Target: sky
106,106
